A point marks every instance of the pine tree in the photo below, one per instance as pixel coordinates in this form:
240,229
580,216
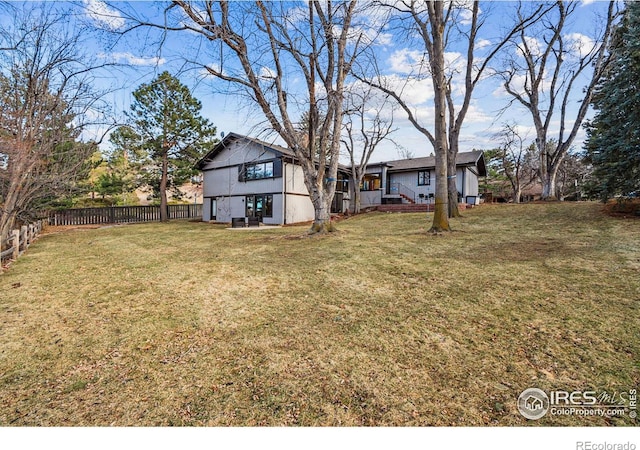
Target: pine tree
166,128
613,144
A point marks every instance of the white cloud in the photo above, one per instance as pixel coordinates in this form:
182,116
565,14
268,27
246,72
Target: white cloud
580,45
408,61
129,58
412,91
587,2
100,12
466,10
370,36
466,16
476,115
533,44
482,43
267,73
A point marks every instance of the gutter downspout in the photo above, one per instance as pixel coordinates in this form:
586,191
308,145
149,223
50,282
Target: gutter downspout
284,192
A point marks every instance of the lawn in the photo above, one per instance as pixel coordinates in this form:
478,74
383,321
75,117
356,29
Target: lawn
379,324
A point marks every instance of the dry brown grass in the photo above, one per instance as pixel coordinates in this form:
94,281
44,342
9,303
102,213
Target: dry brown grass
379,324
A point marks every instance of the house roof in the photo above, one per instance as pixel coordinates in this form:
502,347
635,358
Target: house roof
473,158
231,137
277,149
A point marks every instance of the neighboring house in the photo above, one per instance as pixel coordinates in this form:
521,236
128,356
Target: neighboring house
246,177
413,180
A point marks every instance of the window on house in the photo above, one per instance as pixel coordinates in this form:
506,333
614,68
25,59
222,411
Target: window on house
259,171
424,178
371,182
342,185
259,205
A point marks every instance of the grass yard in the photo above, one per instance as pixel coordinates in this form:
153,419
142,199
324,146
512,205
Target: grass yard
380,324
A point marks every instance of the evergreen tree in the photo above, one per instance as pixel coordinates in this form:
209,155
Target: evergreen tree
613,144
167,131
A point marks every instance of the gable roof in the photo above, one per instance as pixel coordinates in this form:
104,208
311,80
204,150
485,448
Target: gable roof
473,158
232,137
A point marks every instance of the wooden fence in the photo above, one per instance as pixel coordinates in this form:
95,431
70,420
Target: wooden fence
19,240
121,214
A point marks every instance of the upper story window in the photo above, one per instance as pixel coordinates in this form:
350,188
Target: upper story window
424,178
260,171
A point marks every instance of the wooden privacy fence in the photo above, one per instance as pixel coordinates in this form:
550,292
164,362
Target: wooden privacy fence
19,240
121,214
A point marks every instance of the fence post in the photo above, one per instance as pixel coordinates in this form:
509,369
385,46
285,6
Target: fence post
15,237
23,236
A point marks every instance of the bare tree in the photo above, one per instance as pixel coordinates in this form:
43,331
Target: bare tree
427,19
261,47
517,160
544,73
45,93
405,153
438,25
571,174
368,122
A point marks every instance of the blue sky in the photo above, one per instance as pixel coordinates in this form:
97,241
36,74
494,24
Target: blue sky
146,52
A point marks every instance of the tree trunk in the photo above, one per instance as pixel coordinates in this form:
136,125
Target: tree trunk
7,220
548,174
357,199
452,186
441,210
322,216
549,184
11,205
163,188
436,61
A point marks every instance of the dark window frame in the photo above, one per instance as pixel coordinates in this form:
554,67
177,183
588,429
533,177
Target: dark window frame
251,172
266,202
267,170
424,178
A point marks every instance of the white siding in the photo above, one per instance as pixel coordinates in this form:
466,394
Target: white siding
295,179
370,198
239,152
220,181
410,180
224,182
472,183
206,211
227,209
299,209
460,175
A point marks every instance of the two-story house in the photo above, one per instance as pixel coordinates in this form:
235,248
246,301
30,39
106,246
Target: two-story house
245,177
